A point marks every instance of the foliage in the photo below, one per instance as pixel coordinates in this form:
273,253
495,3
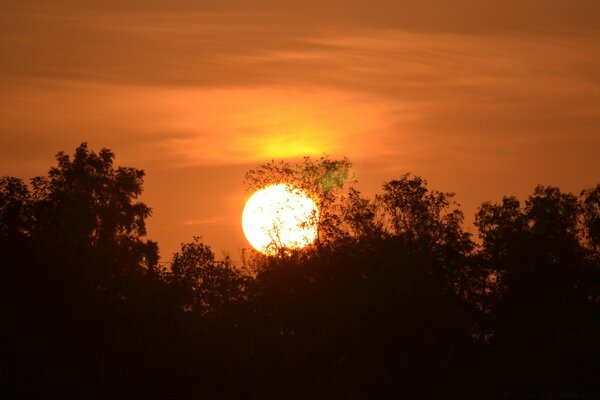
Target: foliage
430,223
206,285
590,202
545,303
395,300
362,218
86,198
323,180
14,199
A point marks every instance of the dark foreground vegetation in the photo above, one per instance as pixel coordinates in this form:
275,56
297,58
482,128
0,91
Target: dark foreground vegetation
395,300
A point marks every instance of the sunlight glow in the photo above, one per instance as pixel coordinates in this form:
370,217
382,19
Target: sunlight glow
280,217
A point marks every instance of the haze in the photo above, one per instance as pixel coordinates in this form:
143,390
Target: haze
481,99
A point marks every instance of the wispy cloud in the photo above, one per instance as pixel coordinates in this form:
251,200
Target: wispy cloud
183,93
203,221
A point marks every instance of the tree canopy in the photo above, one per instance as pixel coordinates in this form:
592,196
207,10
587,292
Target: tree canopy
395,299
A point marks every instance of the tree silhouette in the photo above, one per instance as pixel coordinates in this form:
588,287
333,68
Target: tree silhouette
75,264
394,300
87,202
546,303
362,218
590,200
429,223
14,200
206,285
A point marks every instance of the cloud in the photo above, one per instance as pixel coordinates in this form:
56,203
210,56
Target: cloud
457,91
190,90
229,43
221,83
204,221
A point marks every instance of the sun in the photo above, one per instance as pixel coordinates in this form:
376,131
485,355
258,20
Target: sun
279,217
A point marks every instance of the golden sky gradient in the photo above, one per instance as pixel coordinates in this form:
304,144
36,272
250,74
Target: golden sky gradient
481,98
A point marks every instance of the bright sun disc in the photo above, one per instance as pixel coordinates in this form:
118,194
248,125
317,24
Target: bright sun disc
280,216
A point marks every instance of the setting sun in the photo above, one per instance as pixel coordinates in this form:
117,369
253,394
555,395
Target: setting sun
300,199
280,216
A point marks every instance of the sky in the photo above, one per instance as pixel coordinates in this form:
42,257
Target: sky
484,99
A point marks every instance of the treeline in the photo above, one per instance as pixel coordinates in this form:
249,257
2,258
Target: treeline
394,300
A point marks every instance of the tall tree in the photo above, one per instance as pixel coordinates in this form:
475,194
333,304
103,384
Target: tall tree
85,203
204,284
543,303
429,223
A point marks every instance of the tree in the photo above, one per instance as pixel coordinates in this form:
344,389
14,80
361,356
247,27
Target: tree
527,242
362,218
590,202
86,203
423,215
78,274
429,223
204,284
321,179
543,304
14,200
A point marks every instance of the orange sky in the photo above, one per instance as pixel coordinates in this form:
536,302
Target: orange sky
481,99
